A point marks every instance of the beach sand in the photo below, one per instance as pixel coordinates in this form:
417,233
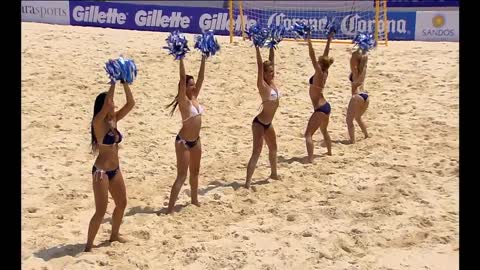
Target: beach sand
387,202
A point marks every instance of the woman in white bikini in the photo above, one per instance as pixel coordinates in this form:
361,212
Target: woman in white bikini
188,147
262,127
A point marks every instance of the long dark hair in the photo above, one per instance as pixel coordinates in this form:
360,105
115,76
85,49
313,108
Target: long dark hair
174,103
99,101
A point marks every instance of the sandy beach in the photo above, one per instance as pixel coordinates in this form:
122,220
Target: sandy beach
387,202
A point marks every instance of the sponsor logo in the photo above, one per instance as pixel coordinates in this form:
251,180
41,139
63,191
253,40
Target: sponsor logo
44,11
220,21
156,19
92,14
438,30
349,25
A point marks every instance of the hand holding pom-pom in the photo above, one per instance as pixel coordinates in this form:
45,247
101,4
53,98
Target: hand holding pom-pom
331,28
177,45
258,35
301,30
365,42
207,43
121,69
276,34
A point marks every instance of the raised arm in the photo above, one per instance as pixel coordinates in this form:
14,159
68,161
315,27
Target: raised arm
201,75
128,106
260,69
311,52
107,106
182,87
327,47
271,56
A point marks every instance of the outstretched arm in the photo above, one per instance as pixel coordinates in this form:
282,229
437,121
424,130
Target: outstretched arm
260,69
201,75
128,106
182,87
107,105
271,56
327,47
311,52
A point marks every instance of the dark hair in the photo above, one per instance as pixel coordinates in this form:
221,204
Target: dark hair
174,103
99,101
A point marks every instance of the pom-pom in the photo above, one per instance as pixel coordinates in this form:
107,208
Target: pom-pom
364,41
258,35
301,30
129,70
207,43
114,71
276,34
177,45
331,27
121,69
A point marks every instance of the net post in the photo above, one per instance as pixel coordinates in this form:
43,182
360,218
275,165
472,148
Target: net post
240,7
377,13
385,28
230,3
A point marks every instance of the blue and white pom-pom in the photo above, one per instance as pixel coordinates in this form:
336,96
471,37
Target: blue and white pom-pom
331,27
276,34
207,43
364,41
177,45
114,71
121,69
301,30
258,35
129,69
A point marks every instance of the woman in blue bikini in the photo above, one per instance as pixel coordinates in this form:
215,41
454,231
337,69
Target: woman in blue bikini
106,172
321,107
359,102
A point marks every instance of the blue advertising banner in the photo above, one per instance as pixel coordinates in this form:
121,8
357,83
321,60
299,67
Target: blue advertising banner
400,25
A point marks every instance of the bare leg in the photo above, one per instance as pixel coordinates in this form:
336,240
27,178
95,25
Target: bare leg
258,132
271,140
183,159
100,191
350,116
119,194
313,124
326,136
195,157
358,117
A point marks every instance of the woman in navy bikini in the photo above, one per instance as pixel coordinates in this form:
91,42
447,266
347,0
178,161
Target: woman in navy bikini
106,172
262,127
360,100
321,107
188,147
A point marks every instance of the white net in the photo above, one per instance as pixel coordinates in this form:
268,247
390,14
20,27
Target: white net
351,16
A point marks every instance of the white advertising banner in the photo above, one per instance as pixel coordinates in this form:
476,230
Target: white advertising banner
437,26
55,12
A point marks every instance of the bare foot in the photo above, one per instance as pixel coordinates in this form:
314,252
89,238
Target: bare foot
274,176
88,248
118,239
309,159
328,153
196,203
247,184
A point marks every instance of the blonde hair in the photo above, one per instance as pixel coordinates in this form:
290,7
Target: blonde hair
266,64
325,62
